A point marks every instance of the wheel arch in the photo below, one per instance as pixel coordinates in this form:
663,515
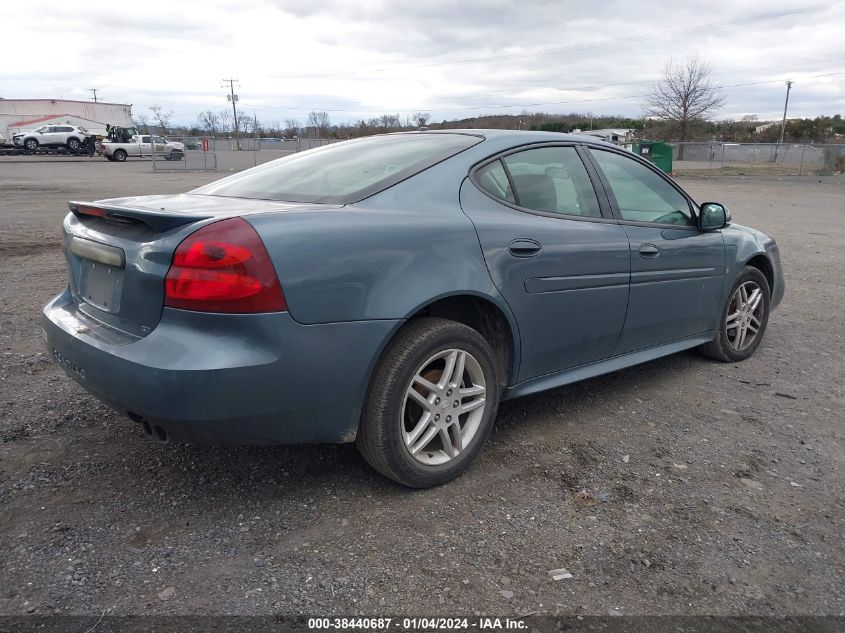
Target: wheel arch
761,262
479,311
485,315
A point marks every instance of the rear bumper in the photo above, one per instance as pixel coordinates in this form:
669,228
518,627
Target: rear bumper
232,379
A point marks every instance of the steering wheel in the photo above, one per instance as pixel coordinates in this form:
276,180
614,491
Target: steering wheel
674,217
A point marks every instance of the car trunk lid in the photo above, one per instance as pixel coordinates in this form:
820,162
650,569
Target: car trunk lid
119,250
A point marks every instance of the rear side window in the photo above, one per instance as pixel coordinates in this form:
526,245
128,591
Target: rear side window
554,180
493,179
345,172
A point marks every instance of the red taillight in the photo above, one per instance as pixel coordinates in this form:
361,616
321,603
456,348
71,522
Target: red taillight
96,211
223,267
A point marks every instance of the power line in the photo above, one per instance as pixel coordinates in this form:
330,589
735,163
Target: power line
517,105
512,105
622,41
724,72
588,87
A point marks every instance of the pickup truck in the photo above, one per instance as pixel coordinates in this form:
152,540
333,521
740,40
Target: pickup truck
141,146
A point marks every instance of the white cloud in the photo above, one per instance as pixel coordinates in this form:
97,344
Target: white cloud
361,58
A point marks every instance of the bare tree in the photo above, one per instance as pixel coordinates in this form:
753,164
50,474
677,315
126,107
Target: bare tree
142,123
292,127
162,117
421,118
258,128
209,121
685,94
225,119
319,121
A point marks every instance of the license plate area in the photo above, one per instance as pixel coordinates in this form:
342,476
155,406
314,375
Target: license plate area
100,285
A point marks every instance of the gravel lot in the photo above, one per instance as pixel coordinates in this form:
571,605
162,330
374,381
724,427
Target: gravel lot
679,486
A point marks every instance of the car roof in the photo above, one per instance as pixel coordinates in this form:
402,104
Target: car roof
520,137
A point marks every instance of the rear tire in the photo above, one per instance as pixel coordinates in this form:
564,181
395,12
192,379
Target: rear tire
431,403
119,155
744,318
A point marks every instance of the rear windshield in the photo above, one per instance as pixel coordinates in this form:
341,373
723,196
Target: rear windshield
345,172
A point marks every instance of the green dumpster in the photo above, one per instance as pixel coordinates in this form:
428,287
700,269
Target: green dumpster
658,153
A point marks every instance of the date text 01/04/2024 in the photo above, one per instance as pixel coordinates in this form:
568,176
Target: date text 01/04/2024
417,624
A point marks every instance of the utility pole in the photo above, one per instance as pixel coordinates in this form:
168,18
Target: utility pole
94,90
785,106
233,98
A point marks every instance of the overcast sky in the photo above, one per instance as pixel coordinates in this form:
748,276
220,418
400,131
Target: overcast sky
452,58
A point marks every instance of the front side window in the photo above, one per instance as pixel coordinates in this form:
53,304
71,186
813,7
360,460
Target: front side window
553,180
342,173
642,195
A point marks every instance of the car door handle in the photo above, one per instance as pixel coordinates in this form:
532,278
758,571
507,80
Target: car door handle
649,251
524,248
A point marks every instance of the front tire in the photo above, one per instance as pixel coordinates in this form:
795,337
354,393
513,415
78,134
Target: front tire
431,403
73,144
31,144
744,318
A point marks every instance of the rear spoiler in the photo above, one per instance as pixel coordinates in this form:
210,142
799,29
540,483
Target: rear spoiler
158,220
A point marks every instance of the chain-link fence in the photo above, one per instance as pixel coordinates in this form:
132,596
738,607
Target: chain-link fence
231,154
758,159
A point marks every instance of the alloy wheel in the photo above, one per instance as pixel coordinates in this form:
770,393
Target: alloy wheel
745,315
443,407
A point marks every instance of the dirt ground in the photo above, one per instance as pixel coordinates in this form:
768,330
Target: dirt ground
682,486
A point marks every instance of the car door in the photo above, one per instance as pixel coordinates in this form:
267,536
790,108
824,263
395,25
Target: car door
555,253
145,146
677,271
47,135
63,132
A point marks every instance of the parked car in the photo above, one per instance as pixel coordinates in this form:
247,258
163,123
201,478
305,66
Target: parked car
141,146
71,137
392,290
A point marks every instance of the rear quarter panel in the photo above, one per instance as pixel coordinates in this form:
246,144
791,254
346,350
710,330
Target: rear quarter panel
382,258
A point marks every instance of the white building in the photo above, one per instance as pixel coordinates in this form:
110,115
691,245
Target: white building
17,115
617,136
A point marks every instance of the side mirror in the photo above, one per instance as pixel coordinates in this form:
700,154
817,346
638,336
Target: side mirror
713,216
